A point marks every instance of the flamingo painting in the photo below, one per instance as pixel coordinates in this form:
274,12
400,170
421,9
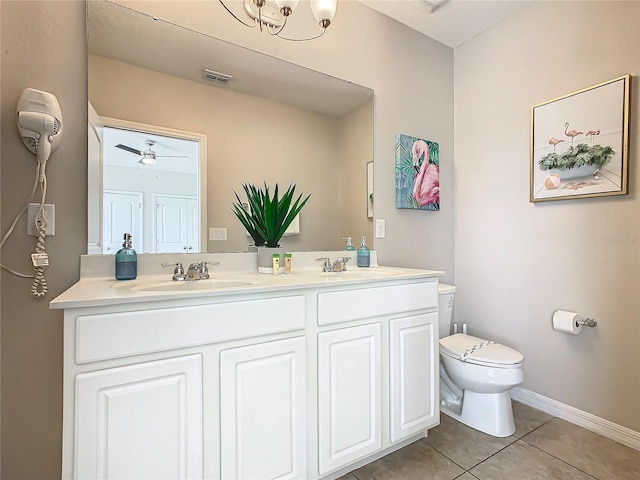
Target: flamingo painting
554,141
571,133
592,133
417,173
426,185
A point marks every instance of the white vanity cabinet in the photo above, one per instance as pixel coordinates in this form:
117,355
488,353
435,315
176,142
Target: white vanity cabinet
395,333
141,421
263,411
413,375
306,382
349,395
186,389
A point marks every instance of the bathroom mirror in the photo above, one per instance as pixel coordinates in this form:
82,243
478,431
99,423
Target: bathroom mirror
273,121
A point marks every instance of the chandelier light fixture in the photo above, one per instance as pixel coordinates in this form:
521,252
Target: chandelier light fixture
272,15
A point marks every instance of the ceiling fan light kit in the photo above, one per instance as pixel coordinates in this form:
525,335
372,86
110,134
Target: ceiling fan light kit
147,157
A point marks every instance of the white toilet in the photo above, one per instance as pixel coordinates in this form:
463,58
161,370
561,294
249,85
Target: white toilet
476,375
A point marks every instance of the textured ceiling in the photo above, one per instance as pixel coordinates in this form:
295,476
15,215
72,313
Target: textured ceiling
126,35
450,22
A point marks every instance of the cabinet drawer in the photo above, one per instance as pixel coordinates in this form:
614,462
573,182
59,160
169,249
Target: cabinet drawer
114,335
346,305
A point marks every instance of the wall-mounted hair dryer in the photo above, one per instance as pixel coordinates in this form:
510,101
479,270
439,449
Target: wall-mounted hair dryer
39,121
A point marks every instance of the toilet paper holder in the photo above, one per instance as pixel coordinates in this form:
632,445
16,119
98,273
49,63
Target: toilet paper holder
588,322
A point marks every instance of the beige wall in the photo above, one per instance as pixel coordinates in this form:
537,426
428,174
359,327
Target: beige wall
249,139
517,262
356,149
43,46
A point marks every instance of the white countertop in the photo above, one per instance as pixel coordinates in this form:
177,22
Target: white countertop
100,291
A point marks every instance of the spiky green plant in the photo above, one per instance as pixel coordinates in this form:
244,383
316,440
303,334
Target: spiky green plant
268,217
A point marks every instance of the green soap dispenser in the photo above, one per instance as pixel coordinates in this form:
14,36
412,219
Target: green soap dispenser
364,253
126,261
349,247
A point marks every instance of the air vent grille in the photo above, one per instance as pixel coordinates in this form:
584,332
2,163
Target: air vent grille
216,76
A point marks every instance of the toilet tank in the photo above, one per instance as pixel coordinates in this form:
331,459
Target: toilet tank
445,308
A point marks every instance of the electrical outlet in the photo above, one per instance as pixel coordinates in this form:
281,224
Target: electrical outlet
217,233
380,228
50,216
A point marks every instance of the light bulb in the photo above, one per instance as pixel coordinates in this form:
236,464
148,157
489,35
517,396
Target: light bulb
324,11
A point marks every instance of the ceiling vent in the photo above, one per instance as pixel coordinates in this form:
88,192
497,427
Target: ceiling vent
216,76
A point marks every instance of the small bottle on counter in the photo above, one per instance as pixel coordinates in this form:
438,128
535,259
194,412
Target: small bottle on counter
287,263
349,247
126,261
364,254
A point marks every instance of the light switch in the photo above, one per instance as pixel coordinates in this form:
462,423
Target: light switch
217,233
380,228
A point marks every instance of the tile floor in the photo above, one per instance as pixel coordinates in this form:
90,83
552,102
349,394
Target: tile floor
543,447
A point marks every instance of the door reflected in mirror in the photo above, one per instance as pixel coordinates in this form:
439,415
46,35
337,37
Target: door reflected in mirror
151,190
274,122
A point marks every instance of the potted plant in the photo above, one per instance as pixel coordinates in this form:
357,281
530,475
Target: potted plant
577,161
267,218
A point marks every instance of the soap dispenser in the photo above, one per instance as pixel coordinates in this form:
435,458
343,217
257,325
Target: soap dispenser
364,253
349,247
126,261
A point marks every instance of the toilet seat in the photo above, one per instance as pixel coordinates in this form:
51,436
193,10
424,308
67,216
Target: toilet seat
479,351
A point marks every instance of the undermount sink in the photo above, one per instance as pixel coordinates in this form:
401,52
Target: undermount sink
184,286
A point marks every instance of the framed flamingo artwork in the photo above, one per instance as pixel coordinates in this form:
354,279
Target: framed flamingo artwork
580,143
417,173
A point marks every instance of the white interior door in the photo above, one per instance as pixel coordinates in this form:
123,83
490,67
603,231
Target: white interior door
172,217
193,225
122,213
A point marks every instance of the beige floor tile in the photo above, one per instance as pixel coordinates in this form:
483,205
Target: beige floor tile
464,445
523,462
528,418
416,461
591,453
467,476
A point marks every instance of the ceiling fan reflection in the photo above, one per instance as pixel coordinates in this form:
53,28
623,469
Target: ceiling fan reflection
148,156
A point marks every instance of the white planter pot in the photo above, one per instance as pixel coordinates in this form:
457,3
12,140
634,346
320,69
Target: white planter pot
265,259
583,171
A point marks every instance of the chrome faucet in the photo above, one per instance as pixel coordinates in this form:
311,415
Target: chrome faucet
199,271
196,271
340,265
178,272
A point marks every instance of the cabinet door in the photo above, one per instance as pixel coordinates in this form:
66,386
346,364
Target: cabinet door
349,395
413,374
141,421
263,411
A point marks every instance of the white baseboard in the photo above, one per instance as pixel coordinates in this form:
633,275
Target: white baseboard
598,425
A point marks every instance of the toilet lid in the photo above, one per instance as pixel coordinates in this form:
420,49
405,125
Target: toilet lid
479,351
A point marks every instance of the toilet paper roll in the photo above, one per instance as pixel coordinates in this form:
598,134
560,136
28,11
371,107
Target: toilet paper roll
567,322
